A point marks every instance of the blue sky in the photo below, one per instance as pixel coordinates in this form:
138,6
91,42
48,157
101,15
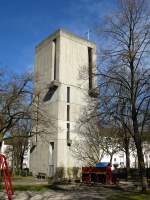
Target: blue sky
24,23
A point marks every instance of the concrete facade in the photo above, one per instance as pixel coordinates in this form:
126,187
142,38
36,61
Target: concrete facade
62,96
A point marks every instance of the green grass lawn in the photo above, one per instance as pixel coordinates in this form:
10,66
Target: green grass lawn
129,196
39,187
115,194
22,178
26,184
119,195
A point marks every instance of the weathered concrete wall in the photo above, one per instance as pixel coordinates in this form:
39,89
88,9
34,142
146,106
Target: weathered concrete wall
71,56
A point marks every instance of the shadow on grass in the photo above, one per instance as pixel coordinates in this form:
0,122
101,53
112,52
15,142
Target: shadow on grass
42,187
113,187
86,192
129,196
66,187
31,187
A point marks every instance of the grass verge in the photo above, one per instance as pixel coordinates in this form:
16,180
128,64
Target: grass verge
38,187
129,196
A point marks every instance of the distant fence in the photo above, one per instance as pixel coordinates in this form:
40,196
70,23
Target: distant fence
134,173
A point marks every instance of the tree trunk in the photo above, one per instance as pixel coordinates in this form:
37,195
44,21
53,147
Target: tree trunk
111,157
127,162
141,164
21,163
138,143
0,146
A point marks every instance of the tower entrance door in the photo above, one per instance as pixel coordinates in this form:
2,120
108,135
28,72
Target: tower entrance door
51,160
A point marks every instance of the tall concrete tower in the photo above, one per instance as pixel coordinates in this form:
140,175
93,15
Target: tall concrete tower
62,94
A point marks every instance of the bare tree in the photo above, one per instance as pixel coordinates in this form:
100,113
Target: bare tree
19,107
125,72
87,147
94,141
14,92
110,141
18,145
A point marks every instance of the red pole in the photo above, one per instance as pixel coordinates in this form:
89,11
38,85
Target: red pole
6,174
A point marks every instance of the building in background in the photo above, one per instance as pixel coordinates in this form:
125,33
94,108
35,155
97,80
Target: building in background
61,95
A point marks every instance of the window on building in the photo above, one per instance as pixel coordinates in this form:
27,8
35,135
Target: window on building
54,57
68,94
68,131
68,112
90,65
52,145
51,160
115,159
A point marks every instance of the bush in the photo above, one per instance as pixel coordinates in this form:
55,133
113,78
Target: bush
60,173
133,172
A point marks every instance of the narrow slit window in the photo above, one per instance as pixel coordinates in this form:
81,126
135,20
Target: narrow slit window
52,145
68,112
54,41
90,65
68,131
68,94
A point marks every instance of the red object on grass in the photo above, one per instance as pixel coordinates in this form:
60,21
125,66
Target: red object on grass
6,174
93,174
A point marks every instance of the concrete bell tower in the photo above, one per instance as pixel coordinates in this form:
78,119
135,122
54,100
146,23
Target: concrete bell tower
62,93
